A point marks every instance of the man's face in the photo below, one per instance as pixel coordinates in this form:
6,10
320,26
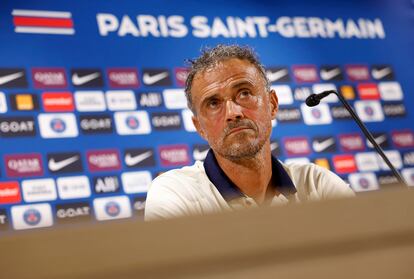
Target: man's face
233,109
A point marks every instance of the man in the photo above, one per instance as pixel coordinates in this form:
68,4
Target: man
233,106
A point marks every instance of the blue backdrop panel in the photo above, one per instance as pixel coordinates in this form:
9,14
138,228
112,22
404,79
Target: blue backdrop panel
92,106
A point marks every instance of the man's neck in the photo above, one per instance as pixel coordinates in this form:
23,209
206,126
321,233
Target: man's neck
253,175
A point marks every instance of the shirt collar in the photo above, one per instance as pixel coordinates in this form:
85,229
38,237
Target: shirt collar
230,191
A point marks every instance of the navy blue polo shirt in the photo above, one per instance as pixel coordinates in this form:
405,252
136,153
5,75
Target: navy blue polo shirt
230,191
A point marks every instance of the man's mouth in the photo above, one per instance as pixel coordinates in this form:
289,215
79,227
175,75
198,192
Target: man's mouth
238,129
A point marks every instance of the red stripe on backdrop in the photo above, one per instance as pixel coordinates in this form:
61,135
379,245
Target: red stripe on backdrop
44,22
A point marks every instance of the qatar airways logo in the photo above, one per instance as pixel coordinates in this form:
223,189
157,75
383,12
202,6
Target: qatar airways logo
357,72
49,78
296,146
403,139
123,77
103,160
23,165
181,75
173,155
176,26
351,142
305,73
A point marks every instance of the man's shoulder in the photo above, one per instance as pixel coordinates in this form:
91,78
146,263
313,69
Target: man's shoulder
310,178
299,169
185,178
185,173
178,192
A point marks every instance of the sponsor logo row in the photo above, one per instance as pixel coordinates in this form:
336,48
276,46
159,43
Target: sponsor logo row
386,90
349,142
324,114
311,73
368,181
66,125
73,187
121,100
45,215
22,165
57,78
31,165
343,164
92,101
129,77
103,160
117,207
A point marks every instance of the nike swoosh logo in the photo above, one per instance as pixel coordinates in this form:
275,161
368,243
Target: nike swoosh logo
276,75
199,155
77,80
133,160
8,78
379,74
148,79
327,75
379,140
321,146
55,166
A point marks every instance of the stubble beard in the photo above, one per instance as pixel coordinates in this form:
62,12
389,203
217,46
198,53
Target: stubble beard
244,145
242,149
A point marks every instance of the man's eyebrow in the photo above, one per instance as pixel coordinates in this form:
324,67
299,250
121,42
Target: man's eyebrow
209,97
242,83
217,94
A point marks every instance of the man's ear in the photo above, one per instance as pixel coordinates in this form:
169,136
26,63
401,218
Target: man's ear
274,103
197,126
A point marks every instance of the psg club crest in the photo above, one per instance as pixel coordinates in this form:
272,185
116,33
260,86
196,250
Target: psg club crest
364,183
58,125
32,217
369,111
132,122
316,113
112,209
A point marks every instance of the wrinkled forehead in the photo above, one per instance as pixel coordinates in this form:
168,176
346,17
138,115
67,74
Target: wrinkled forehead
223,71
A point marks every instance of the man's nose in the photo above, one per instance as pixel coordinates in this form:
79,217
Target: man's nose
233,111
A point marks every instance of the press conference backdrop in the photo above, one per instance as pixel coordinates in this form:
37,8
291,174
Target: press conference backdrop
92,105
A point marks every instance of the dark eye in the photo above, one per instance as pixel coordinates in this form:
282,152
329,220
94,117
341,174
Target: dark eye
213,103
244,94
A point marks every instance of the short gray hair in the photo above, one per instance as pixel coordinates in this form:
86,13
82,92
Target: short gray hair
211,56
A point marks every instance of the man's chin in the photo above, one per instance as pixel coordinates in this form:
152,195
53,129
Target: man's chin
240,151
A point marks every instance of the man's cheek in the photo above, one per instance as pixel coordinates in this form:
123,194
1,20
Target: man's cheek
212,130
